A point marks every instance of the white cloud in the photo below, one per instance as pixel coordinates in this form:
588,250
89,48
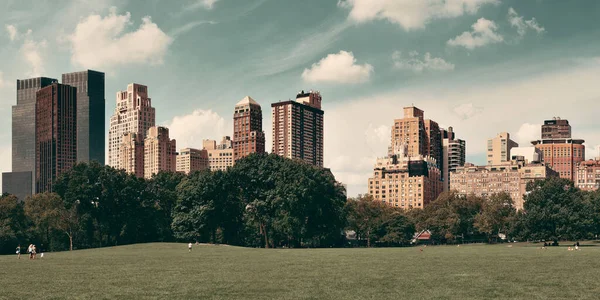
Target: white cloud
417,64
189,130
521,25
467,110
1,79
484,33
338,68
34,52
12,32
508,105
103,42
189,26
410,14
527,132
206,4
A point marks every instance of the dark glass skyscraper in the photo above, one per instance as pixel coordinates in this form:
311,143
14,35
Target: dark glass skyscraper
23,134
56,134
90,114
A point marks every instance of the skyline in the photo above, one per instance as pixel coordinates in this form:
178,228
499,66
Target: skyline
206,59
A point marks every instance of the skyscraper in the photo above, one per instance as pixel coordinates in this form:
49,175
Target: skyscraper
498,149
160,152
18,181
56,134
422,137
90,114
561,152
248,136
454,154
298,128
134,113
131,154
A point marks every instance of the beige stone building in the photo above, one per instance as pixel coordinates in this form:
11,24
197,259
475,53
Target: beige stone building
510,177
220,156
588,175
404,181
191,160
134,113
454,154
160,152
131,154
498,149
422,136
298,128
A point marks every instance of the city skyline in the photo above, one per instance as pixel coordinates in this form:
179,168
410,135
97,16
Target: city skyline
503,76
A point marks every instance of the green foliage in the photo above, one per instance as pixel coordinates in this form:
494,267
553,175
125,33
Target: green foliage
496,216
13,224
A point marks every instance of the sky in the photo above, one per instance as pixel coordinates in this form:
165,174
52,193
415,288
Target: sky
480,66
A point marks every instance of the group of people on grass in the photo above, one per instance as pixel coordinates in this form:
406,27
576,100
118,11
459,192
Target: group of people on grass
31,250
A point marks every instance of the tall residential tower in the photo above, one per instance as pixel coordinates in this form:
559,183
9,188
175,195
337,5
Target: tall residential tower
248,136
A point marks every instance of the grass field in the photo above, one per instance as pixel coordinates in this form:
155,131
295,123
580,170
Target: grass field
168,271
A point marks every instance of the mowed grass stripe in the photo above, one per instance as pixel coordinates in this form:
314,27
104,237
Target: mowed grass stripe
163,270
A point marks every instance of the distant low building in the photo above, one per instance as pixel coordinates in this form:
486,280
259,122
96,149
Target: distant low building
588,175
220,156
191,160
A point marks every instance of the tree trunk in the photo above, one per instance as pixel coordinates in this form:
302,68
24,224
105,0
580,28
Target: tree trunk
263,228
368,238
70,242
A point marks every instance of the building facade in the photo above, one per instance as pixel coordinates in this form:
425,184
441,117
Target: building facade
561,152
403,181
422,137
588,175
220,156
191,160
23,137
160,152
248,136
529,154
509,177
131,154
134,113
298,128
454,155
498,149
91,114
55,134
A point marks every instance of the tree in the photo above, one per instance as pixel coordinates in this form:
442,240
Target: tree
367,218
162,189
43,210
555,210
12,223
399,229
496,215
69,223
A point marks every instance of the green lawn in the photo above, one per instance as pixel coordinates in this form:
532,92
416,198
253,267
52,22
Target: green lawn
168,271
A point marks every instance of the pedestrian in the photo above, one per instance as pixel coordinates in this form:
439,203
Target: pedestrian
19,252
30,251
33,251
190,247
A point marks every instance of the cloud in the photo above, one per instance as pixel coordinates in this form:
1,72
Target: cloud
206,4
521,25
1,79
410,14
415,63
12,32
338,68
33,53
102,42
484,33
467,110
189,130
527,132
189,26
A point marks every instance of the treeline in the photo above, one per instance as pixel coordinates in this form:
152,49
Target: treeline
554,210
270,201
263,201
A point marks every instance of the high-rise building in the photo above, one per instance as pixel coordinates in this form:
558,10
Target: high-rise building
529,154
561,152
160,152
298,128
454,154
131,154
509,177
220,157
191,160
498,149
90,114
404,181
134,113
422,137
248,136
55,134
556,129
18,182
588,175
